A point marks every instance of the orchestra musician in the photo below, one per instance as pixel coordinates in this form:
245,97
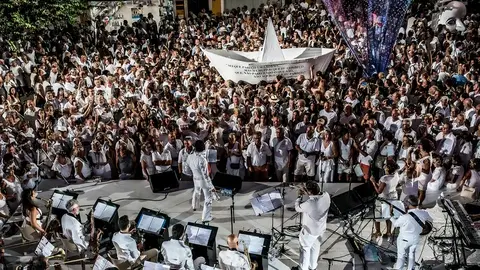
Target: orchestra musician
232,259
314,223
72,227
410,229
31,211
176,253
127,248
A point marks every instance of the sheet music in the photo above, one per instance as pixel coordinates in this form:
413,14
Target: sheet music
266,203
104,211
156,225
254,243
155,266
144,222
198,236
101,263
60,200
44,248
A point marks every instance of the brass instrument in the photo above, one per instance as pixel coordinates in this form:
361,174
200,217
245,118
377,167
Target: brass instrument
59,256
51,227
301,189
95,235
253,265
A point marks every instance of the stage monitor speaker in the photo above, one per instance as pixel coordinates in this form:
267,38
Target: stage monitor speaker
163,182
227,181
366,192
345,203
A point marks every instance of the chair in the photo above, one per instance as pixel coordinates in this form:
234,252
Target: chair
121,265
69,246
29,234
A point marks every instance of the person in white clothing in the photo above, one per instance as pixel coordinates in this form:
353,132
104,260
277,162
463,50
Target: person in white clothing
308,148
177,254
126,246
71,226
446,141
410,230
386,188
182,158
438,175
258,158
161,158
198,165
314,223
232,259
345,144
82,168
472,177
326,161
282,151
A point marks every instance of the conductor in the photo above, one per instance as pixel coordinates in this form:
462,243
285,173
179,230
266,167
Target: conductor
314,211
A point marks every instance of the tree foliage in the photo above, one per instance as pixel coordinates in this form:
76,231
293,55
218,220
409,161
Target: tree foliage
23,18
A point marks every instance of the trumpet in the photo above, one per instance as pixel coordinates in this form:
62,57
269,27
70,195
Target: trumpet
301,189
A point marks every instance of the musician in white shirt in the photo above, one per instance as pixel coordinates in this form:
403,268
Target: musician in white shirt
198,165
314,223
410,230
282,152
71,226
126,246
308,147
232,259
176,253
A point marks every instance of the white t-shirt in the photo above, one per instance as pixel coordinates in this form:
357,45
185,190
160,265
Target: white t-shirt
165,155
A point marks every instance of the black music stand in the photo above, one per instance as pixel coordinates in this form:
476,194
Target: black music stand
105,217
154,225
232,184
258,246
201,238
59,200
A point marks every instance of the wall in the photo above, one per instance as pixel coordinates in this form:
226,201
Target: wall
229,4
125,13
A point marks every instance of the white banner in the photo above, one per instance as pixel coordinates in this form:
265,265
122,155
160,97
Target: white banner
235,67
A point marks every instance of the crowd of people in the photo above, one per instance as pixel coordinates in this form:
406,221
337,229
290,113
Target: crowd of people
132,102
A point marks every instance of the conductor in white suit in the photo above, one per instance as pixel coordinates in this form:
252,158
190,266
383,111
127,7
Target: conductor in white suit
197,163
314,212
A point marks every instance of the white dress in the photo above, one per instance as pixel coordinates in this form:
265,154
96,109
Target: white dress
345,153
325,167
103,171
86,170
438,179
389,192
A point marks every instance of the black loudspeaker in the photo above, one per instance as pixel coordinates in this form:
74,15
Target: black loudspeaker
366,192
345,203
227,181
163,182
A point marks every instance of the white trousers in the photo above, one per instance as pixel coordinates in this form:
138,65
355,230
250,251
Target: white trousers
309,250
406,246
281,173
325,171
200,186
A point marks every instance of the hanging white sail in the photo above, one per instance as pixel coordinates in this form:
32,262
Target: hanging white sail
271,51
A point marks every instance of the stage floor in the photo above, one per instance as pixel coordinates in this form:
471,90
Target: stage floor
132,195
